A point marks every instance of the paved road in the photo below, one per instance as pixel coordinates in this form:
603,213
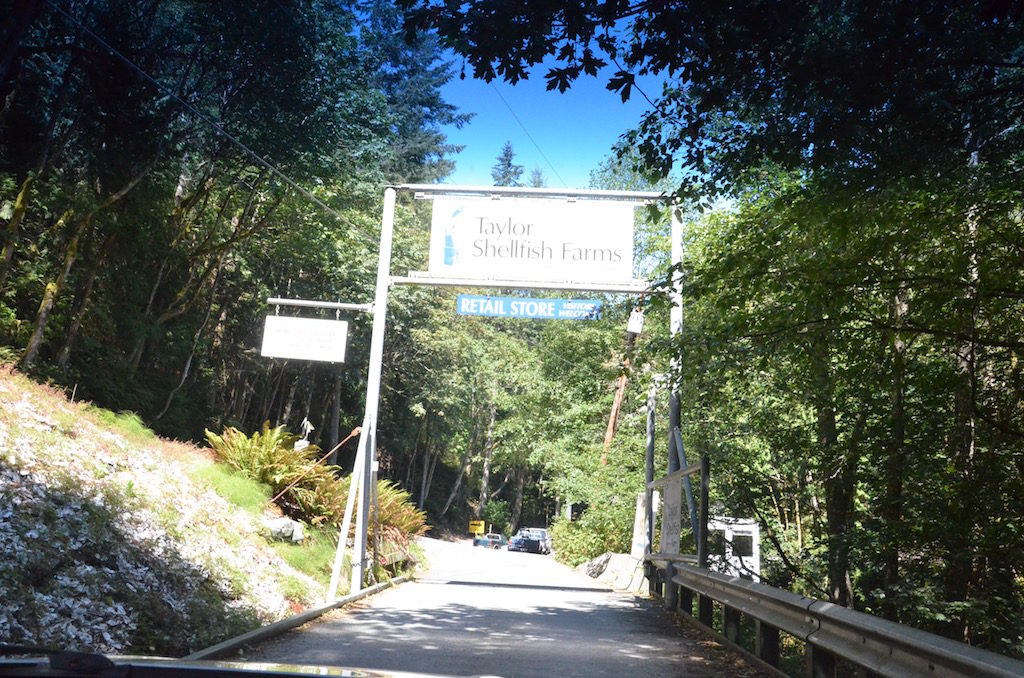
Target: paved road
478,611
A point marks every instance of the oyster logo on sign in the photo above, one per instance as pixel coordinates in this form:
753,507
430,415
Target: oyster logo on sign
533,239
451,252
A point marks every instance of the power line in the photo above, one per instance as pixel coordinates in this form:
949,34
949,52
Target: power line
203,117
529,136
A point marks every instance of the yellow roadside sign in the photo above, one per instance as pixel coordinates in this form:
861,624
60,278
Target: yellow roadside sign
476,526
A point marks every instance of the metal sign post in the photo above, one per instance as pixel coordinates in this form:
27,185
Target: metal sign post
368,436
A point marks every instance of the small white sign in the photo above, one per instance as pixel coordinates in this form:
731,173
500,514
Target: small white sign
636,322
304,339
532,239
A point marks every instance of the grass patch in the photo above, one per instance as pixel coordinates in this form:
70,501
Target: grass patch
128,424
294,589
314,556
243,492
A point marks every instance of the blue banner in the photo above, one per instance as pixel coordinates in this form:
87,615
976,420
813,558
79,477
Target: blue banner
522,307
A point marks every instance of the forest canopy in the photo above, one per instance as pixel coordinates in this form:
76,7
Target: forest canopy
849,176
851,352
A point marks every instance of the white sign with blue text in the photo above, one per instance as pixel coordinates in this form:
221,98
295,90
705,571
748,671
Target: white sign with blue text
521,307
532,239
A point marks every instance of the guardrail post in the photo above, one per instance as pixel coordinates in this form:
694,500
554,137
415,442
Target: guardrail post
766,642
686,600
651,573
820,663
705,610
671,600
730,623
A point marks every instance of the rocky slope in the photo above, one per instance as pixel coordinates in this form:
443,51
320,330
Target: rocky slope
110,541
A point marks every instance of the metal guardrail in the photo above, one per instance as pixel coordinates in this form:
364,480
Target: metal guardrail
831,632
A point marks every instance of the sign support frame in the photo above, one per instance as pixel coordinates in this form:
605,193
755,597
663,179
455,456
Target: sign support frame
368,435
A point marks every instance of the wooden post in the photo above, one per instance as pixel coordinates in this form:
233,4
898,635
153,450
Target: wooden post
671,599
766,642
730,623
686,601
820,663
705,610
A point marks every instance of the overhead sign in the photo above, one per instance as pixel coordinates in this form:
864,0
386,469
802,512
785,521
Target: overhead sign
532,239
520,307
304,339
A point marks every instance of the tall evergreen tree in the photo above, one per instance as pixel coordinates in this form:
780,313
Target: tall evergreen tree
410,71
505,172
537,179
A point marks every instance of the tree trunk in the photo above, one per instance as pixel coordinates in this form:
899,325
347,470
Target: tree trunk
53,290
81,305
410,468
485,475
430,463
289,401
458,479
620,392
838,473
892,501
14,227
960,558
14,30
191,355
275,377
499,488
517,502
333,421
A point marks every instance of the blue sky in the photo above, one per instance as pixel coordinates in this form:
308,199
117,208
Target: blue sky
574,131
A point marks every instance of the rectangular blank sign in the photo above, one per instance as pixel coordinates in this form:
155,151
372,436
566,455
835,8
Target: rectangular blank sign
305,339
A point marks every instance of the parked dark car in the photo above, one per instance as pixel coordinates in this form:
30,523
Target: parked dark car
515,542
531,540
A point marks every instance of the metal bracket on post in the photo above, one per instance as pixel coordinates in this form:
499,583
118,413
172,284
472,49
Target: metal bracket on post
676,446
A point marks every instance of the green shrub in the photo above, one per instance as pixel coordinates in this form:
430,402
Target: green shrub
591,535
496,514
399,519
311,492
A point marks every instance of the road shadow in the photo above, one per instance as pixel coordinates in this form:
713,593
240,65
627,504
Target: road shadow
582,636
